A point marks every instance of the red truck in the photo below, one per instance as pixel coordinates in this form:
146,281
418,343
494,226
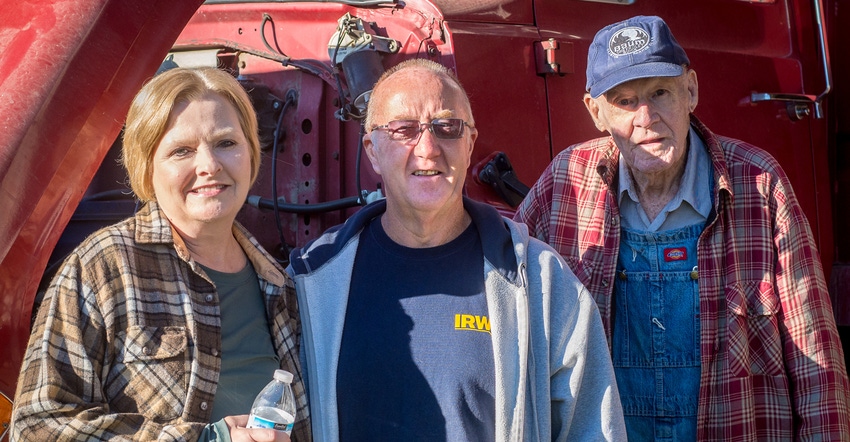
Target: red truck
768,69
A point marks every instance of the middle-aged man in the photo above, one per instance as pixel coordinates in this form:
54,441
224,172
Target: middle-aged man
428,316
698,255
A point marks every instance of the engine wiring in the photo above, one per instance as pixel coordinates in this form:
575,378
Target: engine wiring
344,113
331,75
278,206
314,67
291,98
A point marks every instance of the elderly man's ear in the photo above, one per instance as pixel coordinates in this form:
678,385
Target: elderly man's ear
593,109
693,89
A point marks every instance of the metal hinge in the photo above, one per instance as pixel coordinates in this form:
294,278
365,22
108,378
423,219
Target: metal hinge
553,57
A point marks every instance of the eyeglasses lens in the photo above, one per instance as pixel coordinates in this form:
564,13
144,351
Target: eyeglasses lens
445,128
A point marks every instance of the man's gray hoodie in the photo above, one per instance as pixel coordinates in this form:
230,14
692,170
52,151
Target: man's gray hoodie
554,379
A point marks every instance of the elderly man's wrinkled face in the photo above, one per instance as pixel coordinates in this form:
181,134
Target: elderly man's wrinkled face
421,171
649,120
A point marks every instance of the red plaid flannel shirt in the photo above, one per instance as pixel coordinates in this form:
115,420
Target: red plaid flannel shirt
772,363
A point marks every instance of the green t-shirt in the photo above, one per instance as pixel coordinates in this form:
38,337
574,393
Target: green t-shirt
248,359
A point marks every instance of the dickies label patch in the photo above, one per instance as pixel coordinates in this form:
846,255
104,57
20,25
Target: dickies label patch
675,254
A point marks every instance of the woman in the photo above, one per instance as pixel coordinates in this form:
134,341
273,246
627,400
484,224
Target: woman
175,318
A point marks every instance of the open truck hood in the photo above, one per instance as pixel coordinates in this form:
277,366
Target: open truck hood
67,74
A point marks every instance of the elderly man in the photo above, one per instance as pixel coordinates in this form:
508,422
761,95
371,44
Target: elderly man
698,255
428,316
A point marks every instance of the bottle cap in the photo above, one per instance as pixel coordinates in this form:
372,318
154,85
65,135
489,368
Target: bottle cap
283,376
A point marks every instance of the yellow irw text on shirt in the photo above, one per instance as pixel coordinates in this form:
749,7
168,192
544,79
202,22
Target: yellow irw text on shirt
472,322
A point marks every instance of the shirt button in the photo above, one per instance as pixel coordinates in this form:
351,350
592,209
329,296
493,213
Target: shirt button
209,298
146,351
605,282
204,406
215,352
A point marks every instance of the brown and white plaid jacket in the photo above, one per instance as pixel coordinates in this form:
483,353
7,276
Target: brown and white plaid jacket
126,345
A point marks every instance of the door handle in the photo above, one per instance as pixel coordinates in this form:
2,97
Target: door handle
798,104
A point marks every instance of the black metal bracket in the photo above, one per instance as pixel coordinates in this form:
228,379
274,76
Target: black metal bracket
499,174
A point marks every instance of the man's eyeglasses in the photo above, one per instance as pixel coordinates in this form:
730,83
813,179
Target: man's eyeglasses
409,131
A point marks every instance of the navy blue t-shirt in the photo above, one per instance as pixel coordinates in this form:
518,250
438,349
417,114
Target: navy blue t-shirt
416,361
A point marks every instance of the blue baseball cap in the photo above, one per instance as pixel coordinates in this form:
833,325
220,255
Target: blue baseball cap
640,47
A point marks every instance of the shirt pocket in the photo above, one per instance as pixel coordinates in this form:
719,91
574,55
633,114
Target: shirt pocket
151,374
754,343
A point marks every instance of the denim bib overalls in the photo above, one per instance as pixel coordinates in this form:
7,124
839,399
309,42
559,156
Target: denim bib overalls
656,332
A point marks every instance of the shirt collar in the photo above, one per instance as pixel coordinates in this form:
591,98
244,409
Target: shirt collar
153,227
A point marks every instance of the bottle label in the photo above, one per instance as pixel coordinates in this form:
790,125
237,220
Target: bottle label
255,421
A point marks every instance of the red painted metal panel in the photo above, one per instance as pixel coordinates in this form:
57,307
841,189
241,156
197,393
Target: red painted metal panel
67,75
515,12
497,67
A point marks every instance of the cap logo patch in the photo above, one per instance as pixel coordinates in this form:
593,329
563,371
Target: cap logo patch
628,41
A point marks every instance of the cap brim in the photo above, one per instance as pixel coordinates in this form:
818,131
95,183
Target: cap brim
644,70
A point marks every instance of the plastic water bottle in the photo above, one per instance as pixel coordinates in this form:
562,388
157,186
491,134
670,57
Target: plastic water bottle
274,407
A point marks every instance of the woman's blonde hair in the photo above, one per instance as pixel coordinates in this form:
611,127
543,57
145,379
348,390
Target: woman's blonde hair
151,109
